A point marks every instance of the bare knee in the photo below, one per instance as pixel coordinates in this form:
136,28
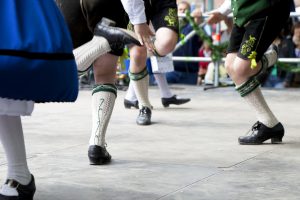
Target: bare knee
165,45
138,54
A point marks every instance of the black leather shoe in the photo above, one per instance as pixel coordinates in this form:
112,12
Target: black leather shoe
25,192
260,133
98,155
144,117
116,37
128,104
173,100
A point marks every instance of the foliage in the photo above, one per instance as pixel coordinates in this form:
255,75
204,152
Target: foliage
217,50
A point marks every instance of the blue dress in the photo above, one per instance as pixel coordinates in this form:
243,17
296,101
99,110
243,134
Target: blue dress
36,59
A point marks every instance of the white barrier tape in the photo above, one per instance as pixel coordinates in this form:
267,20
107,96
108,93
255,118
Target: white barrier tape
208,59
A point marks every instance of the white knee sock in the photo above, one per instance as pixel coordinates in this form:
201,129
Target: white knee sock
87,53
130,94
11,135
162,83
103,102
263,113
141,91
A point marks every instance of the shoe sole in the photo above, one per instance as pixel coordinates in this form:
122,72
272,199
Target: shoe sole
144,124
127,106
99,161
167,105
130,34
273,141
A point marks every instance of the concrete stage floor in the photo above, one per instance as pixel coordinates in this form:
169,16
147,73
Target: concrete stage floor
190,152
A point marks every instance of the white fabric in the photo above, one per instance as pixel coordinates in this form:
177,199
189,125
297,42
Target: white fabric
258,104
162,64
87,53
162,83
102,107
135,10
12,139
225,8
12,107
130,94
271,56
8,191
141,90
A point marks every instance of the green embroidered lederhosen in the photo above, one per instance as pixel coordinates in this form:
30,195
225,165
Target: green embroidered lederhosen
243,10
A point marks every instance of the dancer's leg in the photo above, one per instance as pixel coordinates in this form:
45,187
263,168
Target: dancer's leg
103,99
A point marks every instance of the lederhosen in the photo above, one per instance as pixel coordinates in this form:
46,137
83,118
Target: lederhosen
83,15
161,14
255,31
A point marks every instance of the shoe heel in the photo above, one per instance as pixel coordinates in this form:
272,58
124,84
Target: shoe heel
127,106
107,22
165,105
276,140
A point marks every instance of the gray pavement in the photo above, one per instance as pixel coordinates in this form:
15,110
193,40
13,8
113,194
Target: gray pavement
190,152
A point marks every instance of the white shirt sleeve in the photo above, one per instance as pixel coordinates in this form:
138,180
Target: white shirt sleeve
135,10
225,8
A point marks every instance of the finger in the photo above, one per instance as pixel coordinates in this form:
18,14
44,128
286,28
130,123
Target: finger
140,39
211,20
152,47
150,44
147,44
151,33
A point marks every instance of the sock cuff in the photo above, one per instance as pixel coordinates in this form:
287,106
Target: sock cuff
264,61
138,76
105,88
156,53
247,87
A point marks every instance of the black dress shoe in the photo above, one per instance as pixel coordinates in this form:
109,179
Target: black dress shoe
260,133
98,155
128,104
173,100
144,117
25,192
116,37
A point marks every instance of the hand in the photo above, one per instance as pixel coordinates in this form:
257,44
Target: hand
215,17
144,35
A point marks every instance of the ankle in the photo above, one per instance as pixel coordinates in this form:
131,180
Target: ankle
23,178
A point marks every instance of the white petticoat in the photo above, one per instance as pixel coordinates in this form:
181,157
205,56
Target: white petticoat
15,107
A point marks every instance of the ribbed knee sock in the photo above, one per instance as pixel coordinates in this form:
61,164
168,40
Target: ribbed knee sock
253,96
103,101
130,93
140,83
87,53
163,85
11,135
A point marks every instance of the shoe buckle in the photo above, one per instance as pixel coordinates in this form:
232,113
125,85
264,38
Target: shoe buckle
12,183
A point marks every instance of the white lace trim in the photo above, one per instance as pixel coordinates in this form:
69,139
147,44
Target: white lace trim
13,107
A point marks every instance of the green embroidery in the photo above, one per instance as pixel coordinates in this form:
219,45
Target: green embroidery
247,87
248,45
138,76
172,18
130,26
252,58
105,88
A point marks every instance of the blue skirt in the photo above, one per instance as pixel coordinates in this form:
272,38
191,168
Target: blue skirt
38,80
36,59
